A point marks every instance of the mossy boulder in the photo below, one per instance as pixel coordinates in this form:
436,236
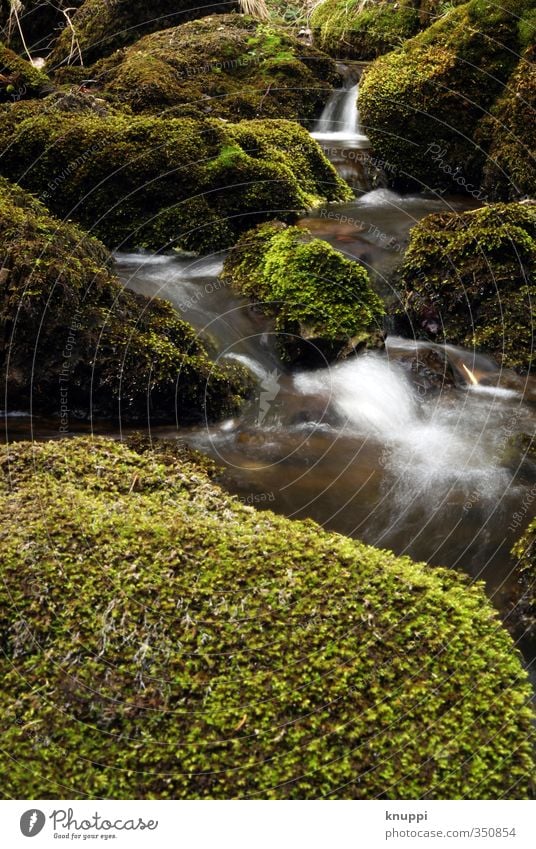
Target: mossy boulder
323,303
229,66
468,279
365,29
34,24
509,135
162,640
524,554
19,79
423,105
76,344
101,26
152,182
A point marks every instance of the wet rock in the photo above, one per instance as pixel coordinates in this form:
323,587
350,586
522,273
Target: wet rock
443,108
468,279
229,66
77,344
323,303
153,182
101,26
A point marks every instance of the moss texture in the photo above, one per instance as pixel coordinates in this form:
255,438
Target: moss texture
75,343
319,297
152,182
227,65
469,279
365,29
524,552
40,21
162,640
423,105
18,78
509,136
102,26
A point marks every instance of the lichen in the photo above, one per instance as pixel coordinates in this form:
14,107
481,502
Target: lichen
468,279
322,301
77,344
162,640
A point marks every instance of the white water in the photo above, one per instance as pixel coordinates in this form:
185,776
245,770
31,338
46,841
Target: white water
427,446
340,118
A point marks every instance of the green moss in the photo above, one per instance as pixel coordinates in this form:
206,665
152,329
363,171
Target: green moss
152,182
509,136
18,78
423,104
470,276
73,337
524,553
318,296
365,29
102,26
162,640
226,65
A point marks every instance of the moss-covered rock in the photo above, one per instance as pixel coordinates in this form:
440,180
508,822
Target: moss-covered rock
101,26
509,136
323,302
75,343
34,24
423,105
468,278
227,65
154,182
18,78
524,553
365,29
162,640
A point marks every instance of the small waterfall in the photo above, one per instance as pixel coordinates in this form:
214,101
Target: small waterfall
340,118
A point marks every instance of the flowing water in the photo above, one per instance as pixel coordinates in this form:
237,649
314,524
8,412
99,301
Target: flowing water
370,447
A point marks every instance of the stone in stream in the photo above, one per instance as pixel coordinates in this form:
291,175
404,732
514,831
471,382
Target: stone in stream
99,27
76,344
323,303
475,271
157,183
227,66
454,106
222,623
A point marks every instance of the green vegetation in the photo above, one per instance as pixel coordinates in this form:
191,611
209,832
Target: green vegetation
423,105
73,337
102,26
226,65
524,552
364,29
18,78
151,182
471,275
162,640
319,297
509,135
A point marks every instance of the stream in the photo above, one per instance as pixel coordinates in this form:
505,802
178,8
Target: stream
367,447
